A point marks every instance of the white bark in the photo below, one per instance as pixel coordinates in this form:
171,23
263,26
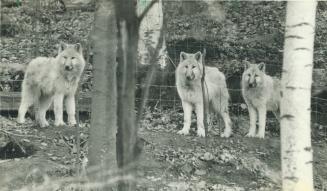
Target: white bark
296,150
150,28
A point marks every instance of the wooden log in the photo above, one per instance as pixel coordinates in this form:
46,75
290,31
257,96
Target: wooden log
10,101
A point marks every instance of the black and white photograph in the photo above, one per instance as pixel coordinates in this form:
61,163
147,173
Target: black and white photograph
163,95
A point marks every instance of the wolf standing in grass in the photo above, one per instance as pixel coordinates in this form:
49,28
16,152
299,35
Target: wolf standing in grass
261,93
49,80
188,82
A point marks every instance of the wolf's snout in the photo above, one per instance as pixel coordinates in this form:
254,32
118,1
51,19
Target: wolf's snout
251,85
190,76
68,68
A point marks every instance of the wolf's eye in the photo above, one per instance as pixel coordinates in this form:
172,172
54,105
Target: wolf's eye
193,67
186,66
65,57
249,75
73,58
256,76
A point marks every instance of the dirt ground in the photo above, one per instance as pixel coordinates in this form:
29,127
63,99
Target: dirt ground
169,161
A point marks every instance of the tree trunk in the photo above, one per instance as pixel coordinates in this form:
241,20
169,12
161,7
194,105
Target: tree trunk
296,150
102,141
150,31
128,34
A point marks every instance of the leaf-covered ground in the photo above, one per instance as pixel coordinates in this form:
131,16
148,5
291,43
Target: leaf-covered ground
168,161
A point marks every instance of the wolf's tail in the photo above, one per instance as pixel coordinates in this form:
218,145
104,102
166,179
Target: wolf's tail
220,100
12,68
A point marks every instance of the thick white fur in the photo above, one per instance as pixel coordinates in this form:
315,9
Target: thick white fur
190,92
49,80
263,96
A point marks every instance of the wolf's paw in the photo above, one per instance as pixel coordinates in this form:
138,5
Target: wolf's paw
72,122
59,123
226,134
20,120
250,134
201,132
183,132
44,124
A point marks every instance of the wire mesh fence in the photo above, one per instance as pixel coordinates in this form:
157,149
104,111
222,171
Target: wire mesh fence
162,94
43,30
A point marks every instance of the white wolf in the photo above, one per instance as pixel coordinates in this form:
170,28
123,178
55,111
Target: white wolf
261,92
188,82
49,80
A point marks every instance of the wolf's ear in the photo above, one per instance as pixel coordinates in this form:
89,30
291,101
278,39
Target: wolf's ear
62,46
79,48
262,66
198,56
246,64
182,56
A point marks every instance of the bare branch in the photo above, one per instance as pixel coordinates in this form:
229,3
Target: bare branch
146,10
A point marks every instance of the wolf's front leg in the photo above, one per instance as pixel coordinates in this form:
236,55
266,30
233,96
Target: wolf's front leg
187,108
253,121
44,104
58,109
70,107
199,119
228,123
262,121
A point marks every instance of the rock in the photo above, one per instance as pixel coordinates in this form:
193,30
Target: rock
243,106
54,158
187,168
218,187
81,2
61,141
208,156
201,185
178,186
200,172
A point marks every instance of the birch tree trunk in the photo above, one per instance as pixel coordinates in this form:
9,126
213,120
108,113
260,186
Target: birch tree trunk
102,141
149,33
296,150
